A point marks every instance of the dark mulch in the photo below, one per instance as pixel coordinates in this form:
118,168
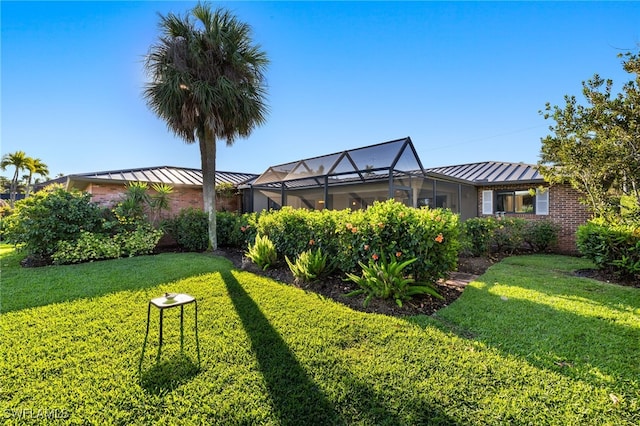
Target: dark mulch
335,288
609,277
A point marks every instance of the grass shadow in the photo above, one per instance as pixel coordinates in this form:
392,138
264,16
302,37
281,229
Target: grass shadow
586,347
169,374
24,288
296,399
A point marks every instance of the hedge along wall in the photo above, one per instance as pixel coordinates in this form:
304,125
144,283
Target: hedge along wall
565,210
388,229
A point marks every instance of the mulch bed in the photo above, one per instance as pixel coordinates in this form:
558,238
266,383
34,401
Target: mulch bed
335,288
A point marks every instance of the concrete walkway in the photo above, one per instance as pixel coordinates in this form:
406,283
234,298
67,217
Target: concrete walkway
460,279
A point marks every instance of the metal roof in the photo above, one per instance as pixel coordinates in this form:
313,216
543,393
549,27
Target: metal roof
490,173
163,174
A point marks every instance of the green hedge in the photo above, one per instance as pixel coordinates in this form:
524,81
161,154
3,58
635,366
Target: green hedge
484,235
388,229
94,246
611,246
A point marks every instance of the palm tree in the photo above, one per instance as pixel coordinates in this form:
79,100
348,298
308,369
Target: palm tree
207,83
18,160
35,166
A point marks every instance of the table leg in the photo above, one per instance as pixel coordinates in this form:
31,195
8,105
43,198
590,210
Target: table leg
160,337
197,340
181,328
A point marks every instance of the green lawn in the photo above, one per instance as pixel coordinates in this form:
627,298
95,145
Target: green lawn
525,344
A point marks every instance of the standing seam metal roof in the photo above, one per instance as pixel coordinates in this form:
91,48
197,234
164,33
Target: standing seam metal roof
165,174
491,172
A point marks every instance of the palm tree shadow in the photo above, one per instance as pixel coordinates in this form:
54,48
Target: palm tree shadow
169,374
295,397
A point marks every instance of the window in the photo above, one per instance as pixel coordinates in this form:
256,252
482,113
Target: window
487,202
514,202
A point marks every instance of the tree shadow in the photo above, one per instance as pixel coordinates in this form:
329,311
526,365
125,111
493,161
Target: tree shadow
295,397
169,374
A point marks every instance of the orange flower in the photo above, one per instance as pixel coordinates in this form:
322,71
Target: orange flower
366,246
375,256
398,253
243,228
354,229
380,225
349,226
311,242
439,238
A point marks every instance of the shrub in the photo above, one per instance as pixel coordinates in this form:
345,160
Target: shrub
508,235
263,252
141,241
386,279
228,228
294,231
190,229
310,266
477,235
541,235
484,235
385,229
89,246
611,246
94,246
50,216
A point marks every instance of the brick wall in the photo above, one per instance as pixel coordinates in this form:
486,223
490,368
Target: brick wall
564,210
182,197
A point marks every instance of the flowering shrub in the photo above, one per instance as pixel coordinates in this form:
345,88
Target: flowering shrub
294,231
387,229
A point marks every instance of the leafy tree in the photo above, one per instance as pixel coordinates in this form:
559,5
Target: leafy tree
207,83
35,166
19,160
597,147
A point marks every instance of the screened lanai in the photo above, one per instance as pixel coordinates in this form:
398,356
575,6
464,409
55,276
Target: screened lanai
353,179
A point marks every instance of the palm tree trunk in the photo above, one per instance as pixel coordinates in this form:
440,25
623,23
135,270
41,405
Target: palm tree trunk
13,191
207,142
28,190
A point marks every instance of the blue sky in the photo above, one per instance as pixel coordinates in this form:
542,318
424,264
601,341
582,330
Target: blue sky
465,80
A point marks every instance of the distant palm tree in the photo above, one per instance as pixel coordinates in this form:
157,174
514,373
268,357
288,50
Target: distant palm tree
207,82
37,167
19,160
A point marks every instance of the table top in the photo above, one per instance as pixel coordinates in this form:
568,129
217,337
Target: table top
180,299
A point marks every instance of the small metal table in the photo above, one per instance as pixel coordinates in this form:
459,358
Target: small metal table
163,303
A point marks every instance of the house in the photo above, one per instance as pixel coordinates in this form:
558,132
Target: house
108,187
392,170
356,178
